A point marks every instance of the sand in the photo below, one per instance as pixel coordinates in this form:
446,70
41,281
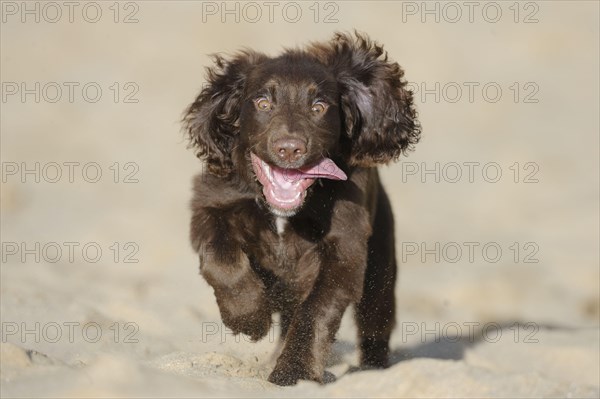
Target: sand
498,293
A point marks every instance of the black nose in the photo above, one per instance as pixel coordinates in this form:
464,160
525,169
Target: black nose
289,149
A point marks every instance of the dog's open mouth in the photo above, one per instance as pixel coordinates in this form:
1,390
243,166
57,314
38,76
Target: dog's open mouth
285,189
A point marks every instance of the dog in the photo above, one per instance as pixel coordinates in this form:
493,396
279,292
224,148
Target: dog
290,216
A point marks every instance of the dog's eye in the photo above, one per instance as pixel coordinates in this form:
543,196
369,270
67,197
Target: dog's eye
318,107
263,104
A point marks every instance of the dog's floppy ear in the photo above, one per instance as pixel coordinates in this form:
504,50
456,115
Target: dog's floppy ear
211,122
378,112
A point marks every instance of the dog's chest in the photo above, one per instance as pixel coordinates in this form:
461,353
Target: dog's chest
283,249
280,224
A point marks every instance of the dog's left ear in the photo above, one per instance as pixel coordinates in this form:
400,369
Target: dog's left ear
378,113
211,122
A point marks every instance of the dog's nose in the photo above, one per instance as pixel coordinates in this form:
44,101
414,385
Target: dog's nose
289,149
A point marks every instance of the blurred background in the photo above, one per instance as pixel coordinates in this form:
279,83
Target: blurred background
496,211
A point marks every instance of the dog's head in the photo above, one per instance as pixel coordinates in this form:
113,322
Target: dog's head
304,115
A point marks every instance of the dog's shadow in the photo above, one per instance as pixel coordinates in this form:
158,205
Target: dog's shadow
437,347
442,348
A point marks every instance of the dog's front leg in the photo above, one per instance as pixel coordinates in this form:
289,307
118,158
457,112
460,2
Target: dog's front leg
239,291
317,319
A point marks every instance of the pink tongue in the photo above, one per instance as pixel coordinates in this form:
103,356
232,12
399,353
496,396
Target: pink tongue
326,169
286,188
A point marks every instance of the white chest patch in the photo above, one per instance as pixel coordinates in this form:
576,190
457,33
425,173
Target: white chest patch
280,223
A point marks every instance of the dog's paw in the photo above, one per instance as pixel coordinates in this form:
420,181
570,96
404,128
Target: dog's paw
286,375
374,354
256,324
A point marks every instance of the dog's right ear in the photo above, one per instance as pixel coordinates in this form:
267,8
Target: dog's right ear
211,122
377,106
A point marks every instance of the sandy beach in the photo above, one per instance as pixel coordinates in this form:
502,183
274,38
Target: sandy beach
496,212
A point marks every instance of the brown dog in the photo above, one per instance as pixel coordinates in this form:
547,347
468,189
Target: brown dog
290,216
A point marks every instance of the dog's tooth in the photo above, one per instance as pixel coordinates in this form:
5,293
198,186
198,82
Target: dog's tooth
270,174
267,170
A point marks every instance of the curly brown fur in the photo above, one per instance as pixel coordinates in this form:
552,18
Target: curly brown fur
342,101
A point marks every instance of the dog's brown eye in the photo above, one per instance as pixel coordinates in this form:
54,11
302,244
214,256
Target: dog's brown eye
319,107
263,104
